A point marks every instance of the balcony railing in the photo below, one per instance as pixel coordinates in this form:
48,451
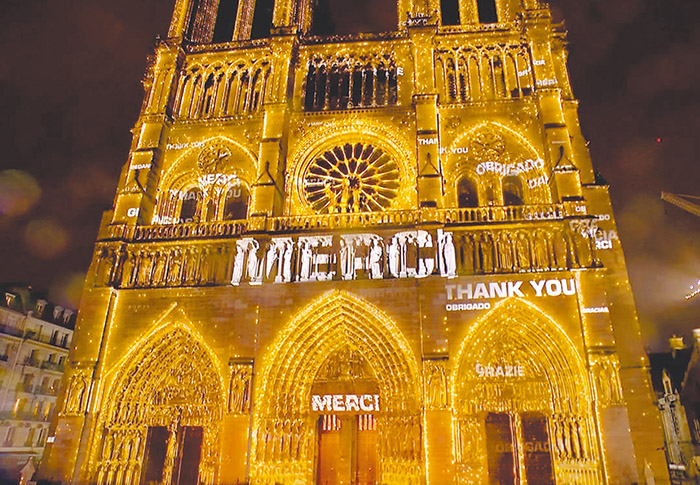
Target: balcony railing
36,389
23,416
204,230
9,330
52,366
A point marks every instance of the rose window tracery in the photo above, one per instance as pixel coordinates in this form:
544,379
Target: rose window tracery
351,178
487,146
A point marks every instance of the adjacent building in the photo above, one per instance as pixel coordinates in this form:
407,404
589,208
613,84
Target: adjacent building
34,339
676,380
358,259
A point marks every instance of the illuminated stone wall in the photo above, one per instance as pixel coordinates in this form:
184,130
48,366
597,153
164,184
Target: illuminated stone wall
402,230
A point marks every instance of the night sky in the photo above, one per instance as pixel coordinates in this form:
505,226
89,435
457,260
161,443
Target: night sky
70,92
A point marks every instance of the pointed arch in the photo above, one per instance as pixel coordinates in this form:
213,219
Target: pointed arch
211,167
520,324
552,381
336,319
170,379
283,392
518,158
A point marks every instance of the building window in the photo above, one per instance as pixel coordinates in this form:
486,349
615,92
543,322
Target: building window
512,191
337,84
450,12
190,202
262,19
30,437
20,404
487,11
10,436
236,203
47,411
225,21
466,194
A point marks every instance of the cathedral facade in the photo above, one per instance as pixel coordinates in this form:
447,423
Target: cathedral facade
357,259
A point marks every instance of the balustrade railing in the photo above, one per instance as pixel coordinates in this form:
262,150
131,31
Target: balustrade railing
314,222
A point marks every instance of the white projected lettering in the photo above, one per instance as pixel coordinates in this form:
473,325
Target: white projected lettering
498,370
467,294
339,403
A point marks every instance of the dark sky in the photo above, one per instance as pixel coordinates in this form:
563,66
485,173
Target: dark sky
70,92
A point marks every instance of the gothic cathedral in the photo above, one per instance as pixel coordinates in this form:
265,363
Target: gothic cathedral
369,258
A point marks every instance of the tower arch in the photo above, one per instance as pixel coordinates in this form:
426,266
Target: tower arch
217,170
375,161
517,370
164,406
497,158
284,437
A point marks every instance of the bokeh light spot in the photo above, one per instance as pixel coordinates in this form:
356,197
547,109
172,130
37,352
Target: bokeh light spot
67,289
45,238
19,191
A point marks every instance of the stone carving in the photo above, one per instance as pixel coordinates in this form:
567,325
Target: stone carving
406,254
240,386
436,384
211,156
607,381
76,397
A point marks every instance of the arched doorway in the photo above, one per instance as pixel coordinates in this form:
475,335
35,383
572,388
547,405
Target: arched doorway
162,421
338,400
522,402
345,400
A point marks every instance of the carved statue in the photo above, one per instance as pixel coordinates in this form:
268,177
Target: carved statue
446,253
240,389
522,252
306,261
376,254
394,257
437,385
76,394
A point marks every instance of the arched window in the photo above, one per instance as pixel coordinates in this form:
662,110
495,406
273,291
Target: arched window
512,191
488,13
190,203
262,19
236,203
450,12
466,194
225,21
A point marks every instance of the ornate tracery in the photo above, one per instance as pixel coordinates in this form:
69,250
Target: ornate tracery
283,439
172,382
516,361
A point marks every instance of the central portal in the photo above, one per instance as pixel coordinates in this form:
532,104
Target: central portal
347,449
345,398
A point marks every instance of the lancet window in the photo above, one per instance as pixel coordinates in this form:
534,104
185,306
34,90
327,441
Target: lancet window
512,191
214,203
225,21
484,73
191,205
466,193
488,13
449,10
218,91
349,82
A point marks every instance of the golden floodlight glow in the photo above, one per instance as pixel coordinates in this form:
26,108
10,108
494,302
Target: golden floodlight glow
360,259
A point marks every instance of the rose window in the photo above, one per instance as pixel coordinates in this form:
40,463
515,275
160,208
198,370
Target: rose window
351,178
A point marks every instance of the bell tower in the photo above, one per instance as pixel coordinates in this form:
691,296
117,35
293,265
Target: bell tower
365,257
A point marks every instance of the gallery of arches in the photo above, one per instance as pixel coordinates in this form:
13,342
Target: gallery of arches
357,252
